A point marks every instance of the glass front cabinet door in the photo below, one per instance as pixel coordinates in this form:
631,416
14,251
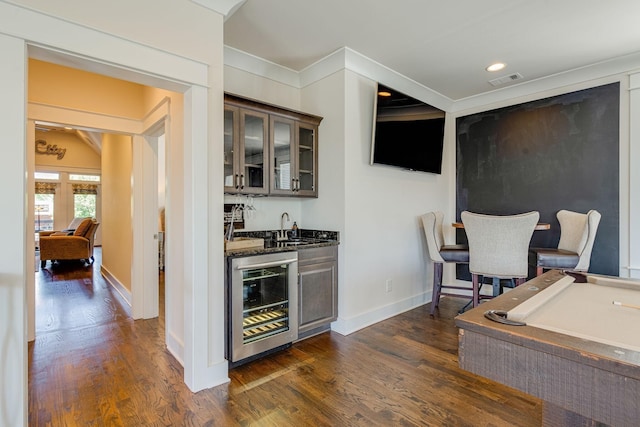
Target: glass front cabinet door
283,160
307,163
294,157
246,151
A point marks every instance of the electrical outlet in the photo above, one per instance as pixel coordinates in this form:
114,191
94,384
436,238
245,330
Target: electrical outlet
389,285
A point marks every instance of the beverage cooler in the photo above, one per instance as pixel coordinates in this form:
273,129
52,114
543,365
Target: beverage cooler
262,310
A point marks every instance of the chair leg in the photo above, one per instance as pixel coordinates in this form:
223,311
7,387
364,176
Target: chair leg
476,289
497,287
437,286
539,270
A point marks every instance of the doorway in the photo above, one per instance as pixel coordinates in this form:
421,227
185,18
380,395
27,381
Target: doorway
197,266
140,289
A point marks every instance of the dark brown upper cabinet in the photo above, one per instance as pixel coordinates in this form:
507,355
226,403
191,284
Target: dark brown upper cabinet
269,150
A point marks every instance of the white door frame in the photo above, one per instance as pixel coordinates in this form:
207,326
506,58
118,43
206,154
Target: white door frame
27,33
144,268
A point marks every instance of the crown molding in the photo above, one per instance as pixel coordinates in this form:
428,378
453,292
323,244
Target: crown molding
255,65
620,66
348,59
223,7
340,59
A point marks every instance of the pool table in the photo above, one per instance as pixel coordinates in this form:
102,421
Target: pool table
574,342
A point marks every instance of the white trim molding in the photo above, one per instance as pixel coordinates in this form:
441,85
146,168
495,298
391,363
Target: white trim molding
116,284
346,326
346,58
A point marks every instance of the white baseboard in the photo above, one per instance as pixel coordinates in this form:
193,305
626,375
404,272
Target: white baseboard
175,347
116,285
212,376
346,326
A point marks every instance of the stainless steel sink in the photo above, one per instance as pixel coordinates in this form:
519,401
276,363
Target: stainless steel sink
303,241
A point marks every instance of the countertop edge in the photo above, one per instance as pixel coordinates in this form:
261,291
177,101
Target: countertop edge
263,250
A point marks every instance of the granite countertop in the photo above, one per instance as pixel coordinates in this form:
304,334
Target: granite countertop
308,239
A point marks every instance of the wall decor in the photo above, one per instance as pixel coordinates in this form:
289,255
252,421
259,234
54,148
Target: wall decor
51,149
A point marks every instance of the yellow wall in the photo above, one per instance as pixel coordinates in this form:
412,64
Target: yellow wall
77,153
117,242
57,85
66,87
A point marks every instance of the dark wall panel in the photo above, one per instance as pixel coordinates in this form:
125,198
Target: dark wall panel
551,154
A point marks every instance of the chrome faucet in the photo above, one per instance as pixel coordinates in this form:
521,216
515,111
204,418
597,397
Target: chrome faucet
283,234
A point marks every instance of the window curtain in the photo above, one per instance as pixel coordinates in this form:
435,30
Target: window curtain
84,188
46,187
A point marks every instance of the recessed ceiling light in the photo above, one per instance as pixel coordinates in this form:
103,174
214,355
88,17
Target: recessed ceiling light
384,93
496,67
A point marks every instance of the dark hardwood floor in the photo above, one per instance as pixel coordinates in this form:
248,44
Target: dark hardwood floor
92,365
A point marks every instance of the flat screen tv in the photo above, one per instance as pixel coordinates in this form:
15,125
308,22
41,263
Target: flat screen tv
407,133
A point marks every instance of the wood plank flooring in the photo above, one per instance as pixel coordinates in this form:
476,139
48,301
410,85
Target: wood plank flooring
92,365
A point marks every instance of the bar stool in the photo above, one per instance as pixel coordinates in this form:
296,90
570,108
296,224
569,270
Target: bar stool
441,253
498,247
577,234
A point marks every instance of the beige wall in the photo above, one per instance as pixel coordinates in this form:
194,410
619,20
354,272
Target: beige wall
77,155
57,85
117,242
250,85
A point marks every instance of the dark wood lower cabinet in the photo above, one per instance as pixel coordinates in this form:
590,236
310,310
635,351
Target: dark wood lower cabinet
317,290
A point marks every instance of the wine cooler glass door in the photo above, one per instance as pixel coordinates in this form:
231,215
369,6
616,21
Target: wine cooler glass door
263,303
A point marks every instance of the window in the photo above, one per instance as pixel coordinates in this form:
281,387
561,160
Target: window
62,196
77,177
47,175
84,200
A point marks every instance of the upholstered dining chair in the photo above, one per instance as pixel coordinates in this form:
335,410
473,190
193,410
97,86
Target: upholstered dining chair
577,234
498,247
441,253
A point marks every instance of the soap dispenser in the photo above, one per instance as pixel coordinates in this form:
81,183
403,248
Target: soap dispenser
294,231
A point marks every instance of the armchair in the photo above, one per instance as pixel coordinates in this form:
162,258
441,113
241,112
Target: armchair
67,245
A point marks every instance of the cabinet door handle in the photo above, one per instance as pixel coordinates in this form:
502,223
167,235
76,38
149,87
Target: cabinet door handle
267,264
237,179
242,181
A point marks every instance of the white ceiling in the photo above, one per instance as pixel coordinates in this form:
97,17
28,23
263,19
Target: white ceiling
442,45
